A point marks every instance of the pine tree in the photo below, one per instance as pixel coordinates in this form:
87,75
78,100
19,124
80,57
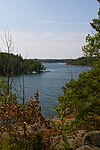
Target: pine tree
92,47
81,97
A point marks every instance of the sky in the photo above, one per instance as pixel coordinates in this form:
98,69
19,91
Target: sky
47,28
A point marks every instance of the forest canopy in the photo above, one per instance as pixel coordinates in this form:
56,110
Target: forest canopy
11,64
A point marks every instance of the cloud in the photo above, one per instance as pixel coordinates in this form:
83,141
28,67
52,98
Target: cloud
60,23
48,44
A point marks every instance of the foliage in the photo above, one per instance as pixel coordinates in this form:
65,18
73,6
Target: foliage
16,142
18,126
14,65
16,119
5,144
92,47
81,97
37,142
82,61
30,66
6,97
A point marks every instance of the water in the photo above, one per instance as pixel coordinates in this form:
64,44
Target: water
49,85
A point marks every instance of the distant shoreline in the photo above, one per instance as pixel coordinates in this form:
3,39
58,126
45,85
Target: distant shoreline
82,61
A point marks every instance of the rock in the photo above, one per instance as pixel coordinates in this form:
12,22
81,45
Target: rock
92,138
86,147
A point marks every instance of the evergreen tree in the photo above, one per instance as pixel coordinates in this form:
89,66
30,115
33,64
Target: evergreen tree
92,47
81,97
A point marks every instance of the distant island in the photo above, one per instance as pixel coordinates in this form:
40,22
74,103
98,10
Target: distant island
11,64
82,61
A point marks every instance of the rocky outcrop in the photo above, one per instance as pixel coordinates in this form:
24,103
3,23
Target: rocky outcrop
92,138
86,147
90,141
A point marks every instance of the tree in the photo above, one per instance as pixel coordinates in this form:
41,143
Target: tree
92,47
4,96
12,114
9,43
81,97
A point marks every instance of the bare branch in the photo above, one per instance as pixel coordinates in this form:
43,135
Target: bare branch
7,40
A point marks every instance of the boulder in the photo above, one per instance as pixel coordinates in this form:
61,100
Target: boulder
86,147
92,138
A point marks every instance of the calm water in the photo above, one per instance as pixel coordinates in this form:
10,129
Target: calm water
49,85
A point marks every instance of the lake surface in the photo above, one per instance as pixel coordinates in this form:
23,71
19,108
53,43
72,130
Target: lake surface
49,84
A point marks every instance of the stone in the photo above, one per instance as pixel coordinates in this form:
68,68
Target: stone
86,147
92,138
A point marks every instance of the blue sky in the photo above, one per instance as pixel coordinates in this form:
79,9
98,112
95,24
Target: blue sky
47,28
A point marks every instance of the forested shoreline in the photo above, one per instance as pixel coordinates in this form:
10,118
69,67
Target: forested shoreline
11,64
82,61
